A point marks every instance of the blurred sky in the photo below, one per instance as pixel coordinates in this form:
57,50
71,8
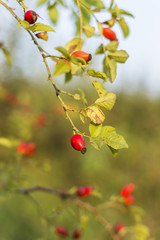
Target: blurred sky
141,69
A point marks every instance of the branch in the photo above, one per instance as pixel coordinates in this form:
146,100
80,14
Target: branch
46,64
98,216
61,194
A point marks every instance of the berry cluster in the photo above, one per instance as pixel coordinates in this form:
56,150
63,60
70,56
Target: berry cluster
26,149
126,192
62,231
84,191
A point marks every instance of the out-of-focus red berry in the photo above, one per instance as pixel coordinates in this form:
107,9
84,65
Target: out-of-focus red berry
118,227
31,16
110,34
78,143
30,149
129,200
40,119
11,99
84,191
62,231
86,56
22,148
77,234
127,190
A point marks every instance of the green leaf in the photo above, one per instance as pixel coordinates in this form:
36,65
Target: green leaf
77,60
123,12
106,101
95,129
110,68
61,68
113,151
68,77
124,27
53,13
63,51
76,69
112,46
97,74
89,30
99,88
40,2
119,56
114,140
74,45
7,56
95,3
100,49
95,114
96,143
117,12
85,15
40,27
24,24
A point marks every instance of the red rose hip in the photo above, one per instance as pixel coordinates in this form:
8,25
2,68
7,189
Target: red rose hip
84,191
78,143
22,148
110,34
86,56
30,149
129,200
61,231
119,227
77,234
31,16
127,190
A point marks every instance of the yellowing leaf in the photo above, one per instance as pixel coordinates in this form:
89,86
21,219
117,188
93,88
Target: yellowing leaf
124,27
119,56
40,27
89,30
106,101
97,74
99,88
74,45
112,46
95,114
110,68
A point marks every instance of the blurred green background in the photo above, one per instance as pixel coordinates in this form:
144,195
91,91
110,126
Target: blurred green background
56,164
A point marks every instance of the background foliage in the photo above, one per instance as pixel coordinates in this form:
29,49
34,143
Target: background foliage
56,164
